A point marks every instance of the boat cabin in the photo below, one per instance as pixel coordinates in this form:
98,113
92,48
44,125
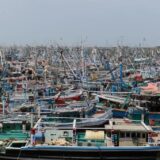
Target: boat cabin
127,132
14,147
17,144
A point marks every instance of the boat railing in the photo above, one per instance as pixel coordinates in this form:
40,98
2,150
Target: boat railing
15,116
154,143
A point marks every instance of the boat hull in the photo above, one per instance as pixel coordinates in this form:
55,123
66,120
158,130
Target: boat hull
61,100
83,153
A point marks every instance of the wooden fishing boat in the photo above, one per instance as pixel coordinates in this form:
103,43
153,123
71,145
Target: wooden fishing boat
61,97
151,89
71,109
61,122
77,144
79,153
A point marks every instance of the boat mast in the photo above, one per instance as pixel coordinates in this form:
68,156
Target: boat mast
82,63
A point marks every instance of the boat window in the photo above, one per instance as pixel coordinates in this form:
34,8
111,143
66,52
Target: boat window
53,134
138,135
128,134
133,135
18,145
143,135
109,134
122,135
65,133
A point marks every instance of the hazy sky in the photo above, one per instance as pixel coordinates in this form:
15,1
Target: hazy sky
97,22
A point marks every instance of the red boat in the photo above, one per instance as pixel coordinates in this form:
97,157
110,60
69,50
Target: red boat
61,97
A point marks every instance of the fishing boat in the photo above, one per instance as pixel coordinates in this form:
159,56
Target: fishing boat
78,153
60,122
85,143
71,109
151,88
61,97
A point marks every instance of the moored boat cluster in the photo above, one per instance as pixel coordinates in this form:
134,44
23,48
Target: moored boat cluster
79,103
